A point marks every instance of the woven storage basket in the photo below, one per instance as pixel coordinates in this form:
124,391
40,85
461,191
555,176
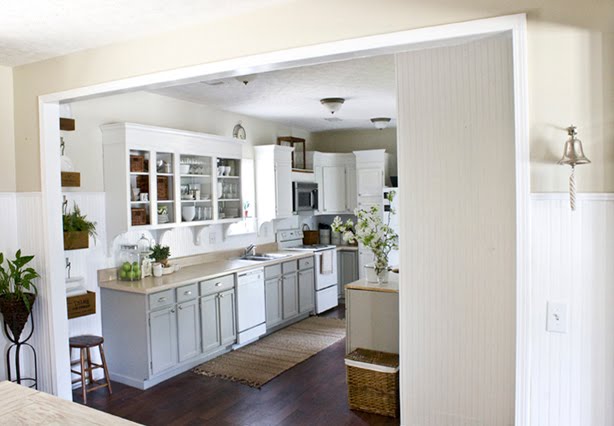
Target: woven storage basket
373,382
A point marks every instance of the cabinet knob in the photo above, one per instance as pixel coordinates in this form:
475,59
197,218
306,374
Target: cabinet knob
221,295
188,292
173,311
180,307
218,284
162,299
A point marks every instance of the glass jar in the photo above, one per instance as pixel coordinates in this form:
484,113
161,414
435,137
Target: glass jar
129,263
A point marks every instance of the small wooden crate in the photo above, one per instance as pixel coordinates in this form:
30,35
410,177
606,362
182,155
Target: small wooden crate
162,184
76,240
137,163
142,183
71,179
79,306
373,382
139,216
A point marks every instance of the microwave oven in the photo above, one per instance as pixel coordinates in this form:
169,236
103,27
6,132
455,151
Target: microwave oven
305,196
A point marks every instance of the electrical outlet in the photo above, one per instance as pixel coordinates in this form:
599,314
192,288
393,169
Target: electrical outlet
211,237
556,321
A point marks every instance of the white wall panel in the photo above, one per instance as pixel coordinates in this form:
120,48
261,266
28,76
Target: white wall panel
8,246
458,288
572,374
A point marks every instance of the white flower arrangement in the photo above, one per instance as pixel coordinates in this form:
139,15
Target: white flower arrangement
371,231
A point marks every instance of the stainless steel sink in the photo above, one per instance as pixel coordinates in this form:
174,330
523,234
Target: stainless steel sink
260,257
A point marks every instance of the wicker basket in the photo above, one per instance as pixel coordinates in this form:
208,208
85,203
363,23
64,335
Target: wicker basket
373,382
137,163
162,184
139,216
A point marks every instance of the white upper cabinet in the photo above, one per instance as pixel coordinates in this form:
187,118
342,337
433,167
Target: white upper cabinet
371,175
273,182
160,178
336,178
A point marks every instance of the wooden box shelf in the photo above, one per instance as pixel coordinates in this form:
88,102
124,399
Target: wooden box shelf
71,179
82,305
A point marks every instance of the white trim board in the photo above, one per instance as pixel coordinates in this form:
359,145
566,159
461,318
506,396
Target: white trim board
347,49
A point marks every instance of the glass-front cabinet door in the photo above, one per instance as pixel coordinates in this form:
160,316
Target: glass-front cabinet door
196,188
140,206
165,188
229,200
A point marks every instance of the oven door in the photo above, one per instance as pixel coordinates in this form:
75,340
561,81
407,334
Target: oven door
305,196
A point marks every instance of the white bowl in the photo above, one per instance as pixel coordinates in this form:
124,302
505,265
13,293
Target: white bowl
188,213
184,169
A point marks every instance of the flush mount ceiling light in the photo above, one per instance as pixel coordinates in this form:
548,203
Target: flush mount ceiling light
246,79
573,155
332,104
380,122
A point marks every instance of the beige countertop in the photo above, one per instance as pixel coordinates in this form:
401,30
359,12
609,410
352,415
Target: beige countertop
21,406
194,273
392,286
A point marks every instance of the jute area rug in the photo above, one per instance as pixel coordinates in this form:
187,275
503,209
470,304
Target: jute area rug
265,359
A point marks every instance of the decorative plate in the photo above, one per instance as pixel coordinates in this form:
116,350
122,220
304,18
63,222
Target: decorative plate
238,132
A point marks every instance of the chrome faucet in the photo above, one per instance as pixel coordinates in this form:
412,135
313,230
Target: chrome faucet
250,250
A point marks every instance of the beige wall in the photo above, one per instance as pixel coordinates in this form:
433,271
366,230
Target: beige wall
84,145
7,135
570,66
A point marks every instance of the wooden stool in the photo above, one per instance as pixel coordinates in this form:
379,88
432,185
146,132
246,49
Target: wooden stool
84,344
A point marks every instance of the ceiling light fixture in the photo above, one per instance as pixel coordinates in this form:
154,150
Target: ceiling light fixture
246,79
380,122
332,104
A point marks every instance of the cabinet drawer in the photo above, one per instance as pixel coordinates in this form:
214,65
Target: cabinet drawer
217,284
272,271
187,292
163,298
288,267
306,263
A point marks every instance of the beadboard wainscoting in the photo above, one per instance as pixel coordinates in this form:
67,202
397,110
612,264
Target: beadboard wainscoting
572,373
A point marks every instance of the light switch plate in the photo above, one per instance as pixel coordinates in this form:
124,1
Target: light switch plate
556,321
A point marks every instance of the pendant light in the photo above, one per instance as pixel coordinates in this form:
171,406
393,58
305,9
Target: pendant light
332,104
573,155
380,122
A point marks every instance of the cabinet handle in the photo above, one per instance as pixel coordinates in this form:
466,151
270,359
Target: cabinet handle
187,293
218,284
173,311
162,299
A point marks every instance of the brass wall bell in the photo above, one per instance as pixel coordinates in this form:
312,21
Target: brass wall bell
573,155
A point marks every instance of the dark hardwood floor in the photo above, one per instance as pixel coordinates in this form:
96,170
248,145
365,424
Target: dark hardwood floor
312,393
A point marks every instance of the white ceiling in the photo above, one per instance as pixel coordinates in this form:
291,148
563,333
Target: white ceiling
33,30
292,97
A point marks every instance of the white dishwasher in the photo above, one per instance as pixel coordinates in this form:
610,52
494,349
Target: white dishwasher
251,312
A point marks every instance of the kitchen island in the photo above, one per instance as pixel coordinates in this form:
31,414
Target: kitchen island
372,315
156,328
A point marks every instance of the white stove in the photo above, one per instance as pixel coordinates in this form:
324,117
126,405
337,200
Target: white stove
326,282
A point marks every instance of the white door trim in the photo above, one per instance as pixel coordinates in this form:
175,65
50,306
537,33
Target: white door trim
326,52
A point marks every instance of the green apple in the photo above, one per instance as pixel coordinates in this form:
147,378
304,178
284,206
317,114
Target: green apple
126,266
123,274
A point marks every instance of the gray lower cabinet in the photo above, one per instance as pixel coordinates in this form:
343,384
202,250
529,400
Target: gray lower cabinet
289,285
217,313
188,330
210,330
163,338
273,301
289,292
347,269
306,291
228,333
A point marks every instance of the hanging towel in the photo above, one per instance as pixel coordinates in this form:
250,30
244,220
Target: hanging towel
326,262
77,291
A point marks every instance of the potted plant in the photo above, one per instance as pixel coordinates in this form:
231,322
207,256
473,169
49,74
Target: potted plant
160,254
371,231
17,292
77,229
